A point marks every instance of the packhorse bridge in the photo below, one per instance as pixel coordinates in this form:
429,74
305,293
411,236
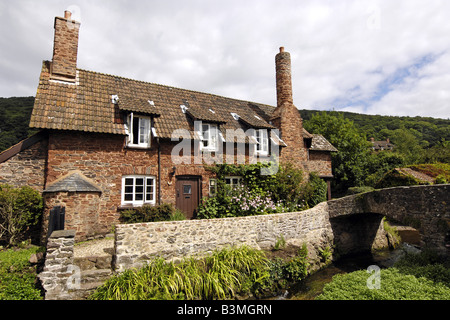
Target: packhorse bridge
425,208
347,225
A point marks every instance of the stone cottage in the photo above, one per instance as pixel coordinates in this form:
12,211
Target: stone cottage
108,143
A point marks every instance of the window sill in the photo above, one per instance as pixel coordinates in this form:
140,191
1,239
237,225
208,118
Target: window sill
132,206
131,146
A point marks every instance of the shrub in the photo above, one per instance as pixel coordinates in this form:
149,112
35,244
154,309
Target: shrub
297,268
282,192
315,191
20,210
288,186
440,179
163,212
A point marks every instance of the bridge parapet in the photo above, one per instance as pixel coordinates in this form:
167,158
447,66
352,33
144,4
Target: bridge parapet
426,208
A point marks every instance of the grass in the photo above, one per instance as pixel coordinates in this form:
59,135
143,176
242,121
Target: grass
220,275
17,275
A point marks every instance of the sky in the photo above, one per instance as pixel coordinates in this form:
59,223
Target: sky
387,57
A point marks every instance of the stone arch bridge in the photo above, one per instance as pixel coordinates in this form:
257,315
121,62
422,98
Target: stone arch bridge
425,208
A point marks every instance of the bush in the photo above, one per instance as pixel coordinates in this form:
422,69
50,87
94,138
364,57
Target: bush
20,210
315,191
297,268
282,192
163,212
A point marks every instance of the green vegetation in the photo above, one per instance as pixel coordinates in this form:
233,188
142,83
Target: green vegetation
429,131
15,116
225,274
438,172
423,276
419,142
261,194
163,212
17,276
20,210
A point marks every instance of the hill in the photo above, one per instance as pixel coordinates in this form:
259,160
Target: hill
15,116
428,131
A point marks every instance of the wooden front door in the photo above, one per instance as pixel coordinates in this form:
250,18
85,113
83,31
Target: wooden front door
187,194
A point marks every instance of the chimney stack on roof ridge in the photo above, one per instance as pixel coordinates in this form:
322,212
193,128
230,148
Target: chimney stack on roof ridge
65,48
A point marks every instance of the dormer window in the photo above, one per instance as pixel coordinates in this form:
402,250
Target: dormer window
262,142
210,137
138,129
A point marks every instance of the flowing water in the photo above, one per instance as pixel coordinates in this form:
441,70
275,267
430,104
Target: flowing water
312,286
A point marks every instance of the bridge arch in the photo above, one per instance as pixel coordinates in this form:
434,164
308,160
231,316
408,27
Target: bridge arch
425,208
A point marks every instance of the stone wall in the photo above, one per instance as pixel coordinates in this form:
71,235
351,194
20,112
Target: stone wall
426,208
58,270
26,168
136,244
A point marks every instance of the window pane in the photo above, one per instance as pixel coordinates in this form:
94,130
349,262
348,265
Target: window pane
139,197
129,181
128,189
187,189
129,197
135,130
144,130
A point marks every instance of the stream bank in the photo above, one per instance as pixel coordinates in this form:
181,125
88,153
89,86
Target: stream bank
312,286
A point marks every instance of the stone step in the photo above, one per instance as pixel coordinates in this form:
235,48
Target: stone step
95,275
94,262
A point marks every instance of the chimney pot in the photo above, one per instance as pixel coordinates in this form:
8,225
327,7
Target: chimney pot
67,15
281,49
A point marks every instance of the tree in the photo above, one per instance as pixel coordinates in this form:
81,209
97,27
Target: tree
349,162
406,142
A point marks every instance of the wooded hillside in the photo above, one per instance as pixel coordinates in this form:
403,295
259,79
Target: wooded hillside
15,116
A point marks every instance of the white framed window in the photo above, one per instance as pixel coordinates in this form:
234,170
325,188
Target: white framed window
233,181
138,129
262,141
138,190
210,134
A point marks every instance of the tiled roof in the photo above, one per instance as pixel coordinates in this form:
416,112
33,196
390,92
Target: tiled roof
319,143
138,105
88,106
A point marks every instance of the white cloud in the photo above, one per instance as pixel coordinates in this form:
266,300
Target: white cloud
342,51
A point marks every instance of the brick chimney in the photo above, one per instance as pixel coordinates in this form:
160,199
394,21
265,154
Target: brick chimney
65,48
283,77
286,116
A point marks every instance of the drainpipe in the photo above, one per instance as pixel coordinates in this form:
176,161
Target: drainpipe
159,171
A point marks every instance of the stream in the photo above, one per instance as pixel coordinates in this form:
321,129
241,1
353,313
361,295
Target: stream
313,285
